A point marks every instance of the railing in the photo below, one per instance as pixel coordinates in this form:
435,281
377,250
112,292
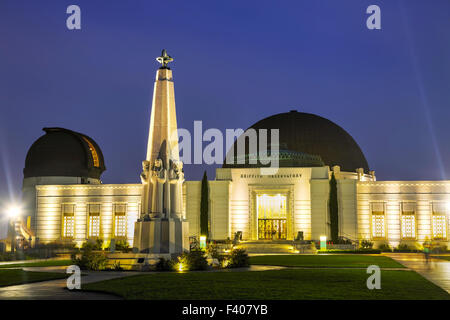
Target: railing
272,229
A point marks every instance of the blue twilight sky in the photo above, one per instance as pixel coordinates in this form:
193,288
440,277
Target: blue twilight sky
236,62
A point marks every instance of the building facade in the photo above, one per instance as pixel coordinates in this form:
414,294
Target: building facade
67,202
296,200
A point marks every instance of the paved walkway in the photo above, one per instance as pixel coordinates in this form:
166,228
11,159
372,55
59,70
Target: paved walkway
4,263
56,289
436,270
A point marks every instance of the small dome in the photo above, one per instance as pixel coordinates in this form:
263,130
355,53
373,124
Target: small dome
64,153
311,135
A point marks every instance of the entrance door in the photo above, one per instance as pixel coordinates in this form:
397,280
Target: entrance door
272,214
271,229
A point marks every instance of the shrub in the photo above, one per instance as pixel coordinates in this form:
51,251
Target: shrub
211,250
193,243
7,256
342,240
384,247
238,258
39,251
194,260
98,244
403,247
366,244
165,265
122,245
92,245
117,266
418,246
442,249
89,259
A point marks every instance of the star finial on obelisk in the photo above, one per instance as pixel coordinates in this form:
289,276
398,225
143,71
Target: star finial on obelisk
164,59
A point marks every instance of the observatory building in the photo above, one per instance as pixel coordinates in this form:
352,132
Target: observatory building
318,161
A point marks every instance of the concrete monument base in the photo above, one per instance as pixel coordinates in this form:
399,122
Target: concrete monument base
160,235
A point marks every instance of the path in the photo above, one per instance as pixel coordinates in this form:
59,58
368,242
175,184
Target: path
56,289
436,270
4,263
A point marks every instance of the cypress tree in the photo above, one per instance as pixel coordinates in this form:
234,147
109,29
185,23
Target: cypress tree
333,209
204,207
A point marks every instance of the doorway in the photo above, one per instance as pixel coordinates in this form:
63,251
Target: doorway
272,216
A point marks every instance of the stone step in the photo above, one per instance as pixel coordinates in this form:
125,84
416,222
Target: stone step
267,247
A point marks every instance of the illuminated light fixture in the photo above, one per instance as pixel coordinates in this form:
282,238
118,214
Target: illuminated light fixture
225,263
323,242
202,242
180,267
13,212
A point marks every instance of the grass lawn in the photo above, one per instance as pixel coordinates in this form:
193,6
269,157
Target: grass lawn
335,261
48,263
17,276
442,257
291,284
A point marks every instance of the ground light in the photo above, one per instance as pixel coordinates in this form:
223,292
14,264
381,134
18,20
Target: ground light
13,212
323,242
202,242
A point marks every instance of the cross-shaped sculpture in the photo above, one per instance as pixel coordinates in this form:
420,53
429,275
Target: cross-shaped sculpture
164,59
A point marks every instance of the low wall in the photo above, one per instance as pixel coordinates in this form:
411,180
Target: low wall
135,261
342,246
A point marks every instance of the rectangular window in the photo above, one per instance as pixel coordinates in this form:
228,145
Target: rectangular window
439,220
378,221
68,219
439,227
121,226
68,226
94,226
408,220
120,220
408,226
378,226
94,220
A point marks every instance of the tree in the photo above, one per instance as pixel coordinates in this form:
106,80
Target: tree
333,209
204,207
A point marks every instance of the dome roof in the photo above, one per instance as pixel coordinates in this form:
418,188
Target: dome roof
65,153
311,135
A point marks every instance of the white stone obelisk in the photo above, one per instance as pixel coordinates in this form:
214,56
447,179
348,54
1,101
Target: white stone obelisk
162,227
